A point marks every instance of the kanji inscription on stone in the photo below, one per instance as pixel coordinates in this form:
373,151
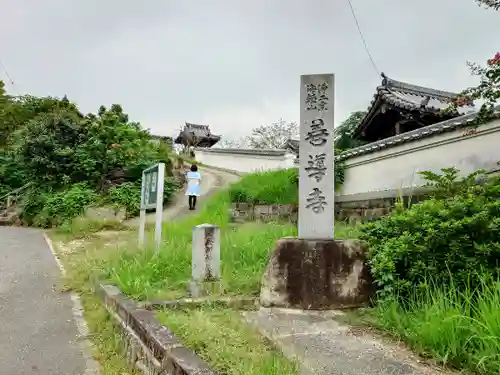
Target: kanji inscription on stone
316,201
317,96
316,166
317,135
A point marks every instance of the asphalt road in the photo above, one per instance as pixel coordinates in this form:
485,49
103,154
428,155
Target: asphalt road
38,333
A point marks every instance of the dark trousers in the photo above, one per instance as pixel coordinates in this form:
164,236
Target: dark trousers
192,202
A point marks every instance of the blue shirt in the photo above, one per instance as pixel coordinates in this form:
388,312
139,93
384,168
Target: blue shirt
193,183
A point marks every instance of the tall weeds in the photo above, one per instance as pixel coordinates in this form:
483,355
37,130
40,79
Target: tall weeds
457,326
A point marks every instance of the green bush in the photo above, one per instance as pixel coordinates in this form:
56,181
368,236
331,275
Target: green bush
128,196
170,187
453,234
53,208
273,187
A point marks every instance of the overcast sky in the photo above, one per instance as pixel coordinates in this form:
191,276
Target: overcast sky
235,64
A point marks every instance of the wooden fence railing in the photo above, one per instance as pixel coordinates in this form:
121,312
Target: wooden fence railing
9,199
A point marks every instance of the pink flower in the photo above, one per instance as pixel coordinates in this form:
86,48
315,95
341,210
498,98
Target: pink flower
494,60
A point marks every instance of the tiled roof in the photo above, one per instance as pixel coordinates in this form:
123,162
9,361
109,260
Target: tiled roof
411,97
424,132
428,131
200,131
293,145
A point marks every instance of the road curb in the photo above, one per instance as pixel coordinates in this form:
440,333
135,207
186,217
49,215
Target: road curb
93,367
150,346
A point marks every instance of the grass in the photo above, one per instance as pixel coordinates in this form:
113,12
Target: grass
114,257
107,340
82,227
271,187
219,337
244,255
459,327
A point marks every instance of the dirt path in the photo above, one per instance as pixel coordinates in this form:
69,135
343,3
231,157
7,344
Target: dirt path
212,181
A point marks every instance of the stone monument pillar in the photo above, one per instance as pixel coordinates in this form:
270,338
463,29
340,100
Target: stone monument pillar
316,271
205,277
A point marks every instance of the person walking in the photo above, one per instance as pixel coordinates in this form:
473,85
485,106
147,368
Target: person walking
193,186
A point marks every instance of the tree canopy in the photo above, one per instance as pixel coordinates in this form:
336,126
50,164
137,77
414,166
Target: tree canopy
48,142
343,133
495,4
276,134
488,89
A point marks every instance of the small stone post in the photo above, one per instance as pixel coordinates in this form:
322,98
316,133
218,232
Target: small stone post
205,277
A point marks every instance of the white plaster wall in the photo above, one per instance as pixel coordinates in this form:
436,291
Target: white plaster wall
244,160
396,168
388,171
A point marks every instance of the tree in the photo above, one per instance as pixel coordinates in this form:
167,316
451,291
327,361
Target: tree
273,136
72,160
495,4
343,133
16,112
62,147
488,89
5,128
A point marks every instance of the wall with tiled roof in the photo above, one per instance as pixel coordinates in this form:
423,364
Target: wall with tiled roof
383,169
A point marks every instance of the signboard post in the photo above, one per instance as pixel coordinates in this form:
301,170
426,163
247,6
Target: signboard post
152,198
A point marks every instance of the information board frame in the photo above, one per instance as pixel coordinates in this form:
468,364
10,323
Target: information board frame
153,181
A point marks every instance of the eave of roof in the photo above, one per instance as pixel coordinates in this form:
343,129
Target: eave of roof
293,145
409,97
424,132
212,138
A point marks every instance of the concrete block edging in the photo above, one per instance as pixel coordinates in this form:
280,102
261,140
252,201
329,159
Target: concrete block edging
150,346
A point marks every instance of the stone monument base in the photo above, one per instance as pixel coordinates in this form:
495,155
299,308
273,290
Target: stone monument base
316,275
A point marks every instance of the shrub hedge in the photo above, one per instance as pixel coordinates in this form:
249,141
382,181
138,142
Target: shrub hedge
450,236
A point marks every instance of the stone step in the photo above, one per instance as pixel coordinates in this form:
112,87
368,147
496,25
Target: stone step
323,346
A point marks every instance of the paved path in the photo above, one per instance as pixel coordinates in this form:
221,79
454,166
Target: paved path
38,333
323,346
